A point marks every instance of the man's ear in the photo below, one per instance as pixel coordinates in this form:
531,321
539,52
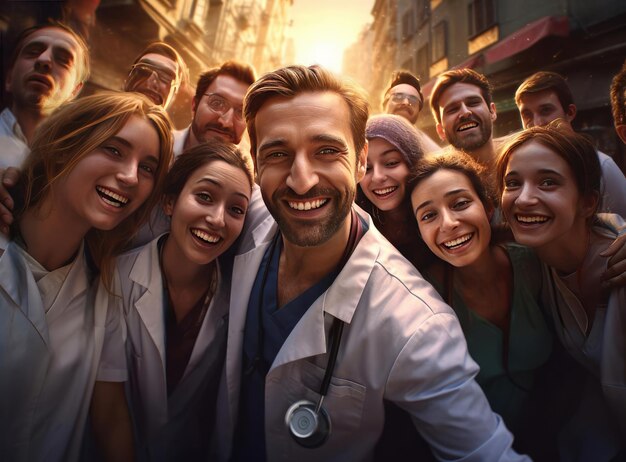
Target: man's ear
194,105
440,132
570,112
492,110
621,132
362,162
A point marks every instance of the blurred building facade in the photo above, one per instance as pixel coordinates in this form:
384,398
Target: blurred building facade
205,32
507,40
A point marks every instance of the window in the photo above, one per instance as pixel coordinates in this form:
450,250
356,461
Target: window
481,15
423,11
408,24
421,63
439,41
197,12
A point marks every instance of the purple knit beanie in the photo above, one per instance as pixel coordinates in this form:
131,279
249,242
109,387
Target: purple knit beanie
397,131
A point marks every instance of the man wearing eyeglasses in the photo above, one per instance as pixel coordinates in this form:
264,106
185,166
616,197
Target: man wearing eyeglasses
404,98
157,73
217,106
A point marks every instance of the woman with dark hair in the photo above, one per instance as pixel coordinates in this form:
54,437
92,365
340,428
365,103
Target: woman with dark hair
495,290
394,149
176,304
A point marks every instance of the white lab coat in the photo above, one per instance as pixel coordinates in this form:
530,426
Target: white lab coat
25,357
400,343
167,428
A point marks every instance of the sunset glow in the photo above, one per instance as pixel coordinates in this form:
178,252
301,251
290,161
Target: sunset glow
323,29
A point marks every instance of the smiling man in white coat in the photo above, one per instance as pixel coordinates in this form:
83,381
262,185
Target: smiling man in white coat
327,319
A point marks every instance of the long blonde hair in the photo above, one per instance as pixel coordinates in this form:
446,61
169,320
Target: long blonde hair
70,134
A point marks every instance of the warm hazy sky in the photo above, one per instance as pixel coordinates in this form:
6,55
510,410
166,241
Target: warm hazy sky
322,29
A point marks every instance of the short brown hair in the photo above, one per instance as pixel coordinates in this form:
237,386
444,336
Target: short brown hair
83,63
238,71
618,97
449,78
575,149
293,80
399,77
542,81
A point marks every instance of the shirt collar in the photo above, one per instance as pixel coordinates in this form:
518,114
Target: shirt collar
11,125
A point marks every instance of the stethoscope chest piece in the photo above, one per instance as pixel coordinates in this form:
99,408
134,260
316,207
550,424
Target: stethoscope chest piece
308,427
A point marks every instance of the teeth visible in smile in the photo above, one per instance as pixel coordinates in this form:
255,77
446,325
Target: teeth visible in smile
308,205
467,126
111,197
531,219
382,192
210,238
458,241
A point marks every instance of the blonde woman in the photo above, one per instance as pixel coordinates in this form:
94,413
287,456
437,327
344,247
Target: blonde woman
86,187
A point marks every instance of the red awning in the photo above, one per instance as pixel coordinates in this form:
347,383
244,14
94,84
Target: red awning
527,36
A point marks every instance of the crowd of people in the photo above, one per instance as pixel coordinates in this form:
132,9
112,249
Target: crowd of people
292,278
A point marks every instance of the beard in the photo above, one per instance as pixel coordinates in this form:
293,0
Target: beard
471,142
212,131
303,233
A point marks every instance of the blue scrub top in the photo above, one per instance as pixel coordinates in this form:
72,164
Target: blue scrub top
249,441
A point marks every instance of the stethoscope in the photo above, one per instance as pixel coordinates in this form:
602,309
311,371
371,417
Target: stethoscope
308,423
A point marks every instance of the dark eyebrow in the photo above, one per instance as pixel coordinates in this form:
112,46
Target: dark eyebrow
543,171
278,142
389,151
448,194
121,140
330,139
214,182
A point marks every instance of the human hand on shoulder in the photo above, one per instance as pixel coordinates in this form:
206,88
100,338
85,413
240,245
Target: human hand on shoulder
8,179
615,274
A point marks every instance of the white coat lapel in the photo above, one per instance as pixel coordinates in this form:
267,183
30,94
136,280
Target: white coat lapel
149,305
245,270
17,281
307,338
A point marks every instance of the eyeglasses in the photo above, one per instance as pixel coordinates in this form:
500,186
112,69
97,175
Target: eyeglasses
221,106
400,97
143,71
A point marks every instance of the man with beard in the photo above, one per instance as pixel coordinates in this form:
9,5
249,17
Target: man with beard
404,98
546,96
462,106
327,320
157,73
48,66
217,106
